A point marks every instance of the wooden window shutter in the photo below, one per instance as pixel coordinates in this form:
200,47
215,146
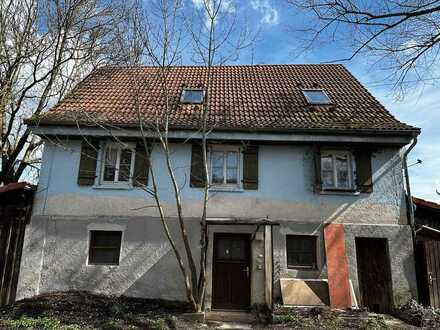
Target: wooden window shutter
141,165
317,187
87,163
364,174
250,168
197,175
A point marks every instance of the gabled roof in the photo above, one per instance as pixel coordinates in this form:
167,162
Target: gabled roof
259,97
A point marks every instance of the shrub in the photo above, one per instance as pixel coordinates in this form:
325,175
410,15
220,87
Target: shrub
414,313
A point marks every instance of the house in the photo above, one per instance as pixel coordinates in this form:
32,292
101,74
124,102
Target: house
427,221
307,201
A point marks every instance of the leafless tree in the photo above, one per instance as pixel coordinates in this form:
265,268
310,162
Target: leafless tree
45,48
402,36
155,35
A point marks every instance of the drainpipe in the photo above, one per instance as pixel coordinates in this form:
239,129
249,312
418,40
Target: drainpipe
410,213
408,188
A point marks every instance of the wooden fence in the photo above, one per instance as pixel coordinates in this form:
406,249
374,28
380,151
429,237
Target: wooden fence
15,208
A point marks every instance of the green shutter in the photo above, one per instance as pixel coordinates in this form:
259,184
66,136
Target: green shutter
364,174
250,168
141,165
197,176
88,161
317,187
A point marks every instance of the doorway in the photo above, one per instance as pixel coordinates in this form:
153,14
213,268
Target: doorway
374,274
231,271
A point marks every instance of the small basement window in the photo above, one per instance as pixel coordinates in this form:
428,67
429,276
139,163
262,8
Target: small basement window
316,96
192,95
301,252
105,247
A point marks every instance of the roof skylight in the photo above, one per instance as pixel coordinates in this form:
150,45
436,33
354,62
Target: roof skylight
316,96
192,95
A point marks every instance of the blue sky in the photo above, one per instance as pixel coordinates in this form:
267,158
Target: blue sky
278,44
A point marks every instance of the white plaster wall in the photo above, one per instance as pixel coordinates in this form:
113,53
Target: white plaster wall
56,242
55,257
286,176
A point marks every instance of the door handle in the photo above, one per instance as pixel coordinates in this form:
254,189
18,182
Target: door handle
430,279
246,270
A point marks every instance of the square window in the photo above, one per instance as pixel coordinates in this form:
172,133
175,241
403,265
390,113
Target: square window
301,251
337,170
316,96
225,166
105,247
192,96
117,163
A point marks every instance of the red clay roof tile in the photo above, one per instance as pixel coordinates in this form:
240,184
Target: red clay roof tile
259,97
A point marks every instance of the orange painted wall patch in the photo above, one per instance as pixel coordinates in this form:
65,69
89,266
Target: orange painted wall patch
337,266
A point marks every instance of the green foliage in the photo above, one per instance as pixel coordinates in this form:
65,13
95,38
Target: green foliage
414,313
159,324
26,322
374,323
113,324
119,309
329,320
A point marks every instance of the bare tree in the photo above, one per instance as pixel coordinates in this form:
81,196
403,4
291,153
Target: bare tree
45,48
402,36
154,34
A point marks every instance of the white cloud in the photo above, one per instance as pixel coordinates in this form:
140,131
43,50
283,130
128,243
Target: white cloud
198,3
270,14
226,7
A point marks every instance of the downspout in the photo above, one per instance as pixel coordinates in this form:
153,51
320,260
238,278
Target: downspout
410,213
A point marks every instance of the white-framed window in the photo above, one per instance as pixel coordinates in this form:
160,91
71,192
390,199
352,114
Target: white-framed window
192,95
117,163
316,96
225,166
337,170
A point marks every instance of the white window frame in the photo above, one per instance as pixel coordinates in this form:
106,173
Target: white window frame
182,96
304,91
225,149
120,147
351,169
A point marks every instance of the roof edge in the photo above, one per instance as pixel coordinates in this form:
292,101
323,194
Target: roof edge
410,132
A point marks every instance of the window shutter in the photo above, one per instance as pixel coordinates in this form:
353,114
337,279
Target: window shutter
364,177
250,168
197,176
317,187
141,165
88,161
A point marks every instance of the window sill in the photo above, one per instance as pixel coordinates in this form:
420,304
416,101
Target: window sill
340,192
113,186
225,189
311,268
